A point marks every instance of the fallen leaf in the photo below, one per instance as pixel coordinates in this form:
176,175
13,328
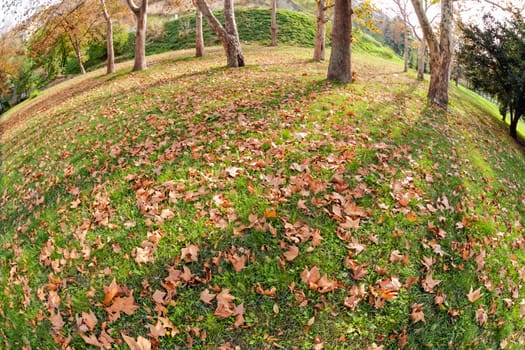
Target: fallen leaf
291,253
267,292
417,314
139,344
429,283
472,296
206,296
121,304
481,316
190,253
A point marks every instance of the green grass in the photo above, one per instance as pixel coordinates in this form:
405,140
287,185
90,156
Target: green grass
255,160
295,28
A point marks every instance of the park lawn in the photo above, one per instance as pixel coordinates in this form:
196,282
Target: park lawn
260,207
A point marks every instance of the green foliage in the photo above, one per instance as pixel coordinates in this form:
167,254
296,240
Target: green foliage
492,57
295,28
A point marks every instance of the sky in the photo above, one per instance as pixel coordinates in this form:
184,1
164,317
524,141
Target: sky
15,11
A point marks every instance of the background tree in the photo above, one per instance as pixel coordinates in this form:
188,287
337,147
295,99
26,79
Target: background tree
273,25
141,13
493,60
111,10
227,34
440,51
339,68
402,8
199,37
320,30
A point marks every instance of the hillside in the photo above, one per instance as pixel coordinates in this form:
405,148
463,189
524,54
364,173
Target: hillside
261,207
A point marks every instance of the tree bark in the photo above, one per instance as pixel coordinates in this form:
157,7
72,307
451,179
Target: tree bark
273,26
339,68
440,52
421,60
320,32
199,38
78,54
109,39
140,13
405,50
228,34
514,120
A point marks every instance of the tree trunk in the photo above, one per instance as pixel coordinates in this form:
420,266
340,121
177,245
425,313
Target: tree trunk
78,54
273,26
140,39
320,32
228,34
514,119
405,51
199,38
421,60
109,39
440,52
339,68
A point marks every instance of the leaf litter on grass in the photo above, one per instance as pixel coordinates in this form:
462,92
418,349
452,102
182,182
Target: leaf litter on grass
255,207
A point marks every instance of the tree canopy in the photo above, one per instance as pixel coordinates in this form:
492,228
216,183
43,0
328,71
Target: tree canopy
493,57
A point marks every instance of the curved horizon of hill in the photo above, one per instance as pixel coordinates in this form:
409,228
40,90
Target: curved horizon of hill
192,205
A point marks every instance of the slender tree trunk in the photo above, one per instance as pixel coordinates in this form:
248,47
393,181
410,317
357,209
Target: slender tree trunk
273,26
78,54
421,60
199,38
405,51
228,34
320,32
109,39
339,68
140,40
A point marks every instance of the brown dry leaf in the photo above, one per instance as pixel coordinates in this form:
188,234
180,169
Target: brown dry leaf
481,316
89,319
139,344
417,314
92,340
206,296
121,304
225,307
325,285
440,298
233,171
157,330
238,262
310,277
110,292
291,253
190,253
158,297
267,292
395,255
318,343
238,312
429,283
374,346
472,296
57,323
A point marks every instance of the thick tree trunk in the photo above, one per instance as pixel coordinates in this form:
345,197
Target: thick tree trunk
228,34
421,60
405,51
109,39
140,40
440,52
514,120
199,38
339,68
320,32
273,26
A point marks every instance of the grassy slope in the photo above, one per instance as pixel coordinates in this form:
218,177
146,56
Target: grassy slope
258,159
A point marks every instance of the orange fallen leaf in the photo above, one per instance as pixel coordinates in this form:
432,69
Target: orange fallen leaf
139,344
110,292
